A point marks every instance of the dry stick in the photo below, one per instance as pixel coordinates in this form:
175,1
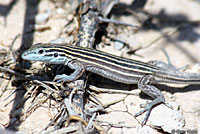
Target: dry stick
114,102
69,107
11,46
4,86
28,113
4,52
50,123
91,120
28,78
88,26
95,109
169,62
73,92
12,72
114,124
62,131
24,76
33,108
111,91
94,96
103,106
63,117
46,86
117,22
160,37
26,96
72,113
106,6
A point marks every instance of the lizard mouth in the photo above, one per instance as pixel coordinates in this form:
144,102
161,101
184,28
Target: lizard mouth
28,55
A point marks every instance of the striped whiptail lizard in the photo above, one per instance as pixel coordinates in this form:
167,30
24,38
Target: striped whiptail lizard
112,67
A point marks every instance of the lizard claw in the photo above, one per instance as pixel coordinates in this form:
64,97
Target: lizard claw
150,106
62,78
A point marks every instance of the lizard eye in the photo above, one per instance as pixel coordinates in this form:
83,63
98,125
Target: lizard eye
40,51
55,55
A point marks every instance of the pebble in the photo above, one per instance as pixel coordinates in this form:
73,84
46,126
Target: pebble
42,17
118,45
60,11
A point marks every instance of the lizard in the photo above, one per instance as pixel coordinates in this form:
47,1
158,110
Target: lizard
116,68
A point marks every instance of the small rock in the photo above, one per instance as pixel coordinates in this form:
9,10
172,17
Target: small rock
60,11
119,43
42,17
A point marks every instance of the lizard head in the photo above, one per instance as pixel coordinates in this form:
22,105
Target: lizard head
49,53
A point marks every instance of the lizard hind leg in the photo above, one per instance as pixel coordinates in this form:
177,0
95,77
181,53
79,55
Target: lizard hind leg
145,85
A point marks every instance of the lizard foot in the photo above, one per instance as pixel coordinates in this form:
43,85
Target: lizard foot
149,106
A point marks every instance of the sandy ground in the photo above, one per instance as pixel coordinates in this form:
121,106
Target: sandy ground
178,31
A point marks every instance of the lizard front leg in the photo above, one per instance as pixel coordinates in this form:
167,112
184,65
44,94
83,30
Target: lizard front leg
79,70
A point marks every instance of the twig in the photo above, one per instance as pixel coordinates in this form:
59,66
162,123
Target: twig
106,6
69,107
117,22
114,124
111,91
169,62
72,114
159,38
11,46
61,131
91,120
46,86
4,87
113,102
50,123
29,78
13,72
28,113
71,95
63,116
33,108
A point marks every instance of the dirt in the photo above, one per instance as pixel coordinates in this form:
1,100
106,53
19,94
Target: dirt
172,26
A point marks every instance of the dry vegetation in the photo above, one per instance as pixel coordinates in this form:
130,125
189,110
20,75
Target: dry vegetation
30,102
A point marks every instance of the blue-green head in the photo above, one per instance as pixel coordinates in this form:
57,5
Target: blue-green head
49,53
